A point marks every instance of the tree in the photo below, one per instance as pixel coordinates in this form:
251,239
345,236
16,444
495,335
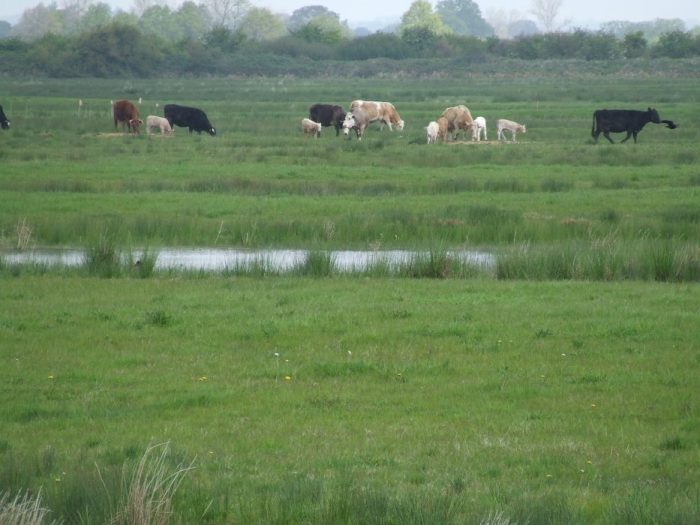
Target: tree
546,12
97,15
676,44
634,45
463,17
227,13
5,28
420,15
262,24
38,21
193,20
522,28
160,20
304,15
325,29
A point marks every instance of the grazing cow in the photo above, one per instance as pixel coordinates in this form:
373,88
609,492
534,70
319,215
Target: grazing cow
358,120
311,128
328,115
459,118
125,112
192,118
432,132
384,112
503,125
152,121
628,120
477,129
4,123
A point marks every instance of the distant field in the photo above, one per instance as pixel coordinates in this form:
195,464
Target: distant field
261,183
536,393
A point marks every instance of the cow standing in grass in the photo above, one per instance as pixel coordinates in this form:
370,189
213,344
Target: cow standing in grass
508,125
311,128
358,120
630,121
4,123
328,115
194,119
459,118
125,112
384,112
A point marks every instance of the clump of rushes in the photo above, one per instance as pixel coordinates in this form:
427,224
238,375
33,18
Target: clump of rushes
317,264
103,258
148,494
22,509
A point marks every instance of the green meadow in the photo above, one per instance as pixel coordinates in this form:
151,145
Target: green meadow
558,387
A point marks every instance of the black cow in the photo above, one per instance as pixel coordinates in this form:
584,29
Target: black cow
4,123
192,118
328,115
627,120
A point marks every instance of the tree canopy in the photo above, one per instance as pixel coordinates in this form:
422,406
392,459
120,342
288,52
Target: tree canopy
463,17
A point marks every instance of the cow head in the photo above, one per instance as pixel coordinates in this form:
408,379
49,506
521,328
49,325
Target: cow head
211,131
348,124
653,115
399,126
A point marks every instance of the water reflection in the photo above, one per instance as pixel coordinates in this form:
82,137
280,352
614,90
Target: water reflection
220,259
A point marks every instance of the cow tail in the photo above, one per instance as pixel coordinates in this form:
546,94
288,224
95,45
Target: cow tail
593,128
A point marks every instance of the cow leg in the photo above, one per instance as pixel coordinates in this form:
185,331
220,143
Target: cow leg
606,134
629,134
595,136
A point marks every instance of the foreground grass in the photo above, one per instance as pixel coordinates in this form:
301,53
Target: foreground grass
356,400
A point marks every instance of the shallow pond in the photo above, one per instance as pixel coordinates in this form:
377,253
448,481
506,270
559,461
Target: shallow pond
220,259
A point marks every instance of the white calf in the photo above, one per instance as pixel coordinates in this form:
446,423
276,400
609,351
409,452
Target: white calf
478,127
503,124
309,127
432,132
153,121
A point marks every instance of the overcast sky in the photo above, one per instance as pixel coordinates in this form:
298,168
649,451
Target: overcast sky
578,12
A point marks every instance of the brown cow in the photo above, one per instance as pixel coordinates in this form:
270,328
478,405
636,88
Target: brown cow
124,111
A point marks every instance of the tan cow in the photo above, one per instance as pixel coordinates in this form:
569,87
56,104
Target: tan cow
459,118
382,111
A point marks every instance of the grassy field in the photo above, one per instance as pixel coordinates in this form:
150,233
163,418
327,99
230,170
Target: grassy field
560,388
358,401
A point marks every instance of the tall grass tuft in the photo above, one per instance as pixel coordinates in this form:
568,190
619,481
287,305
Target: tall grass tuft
316,264
103,258
148,494
22,509
144,265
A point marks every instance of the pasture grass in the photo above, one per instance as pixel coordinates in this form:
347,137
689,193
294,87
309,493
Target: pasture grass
344,400
372,397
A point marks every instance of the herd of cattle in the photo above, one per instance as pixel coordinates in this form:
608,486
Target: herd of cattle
458,119
453,120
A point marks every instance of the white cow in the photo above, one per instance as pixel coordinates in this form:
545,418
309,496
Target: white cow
311,128
477,129
432,132
152,121
503,125
382,111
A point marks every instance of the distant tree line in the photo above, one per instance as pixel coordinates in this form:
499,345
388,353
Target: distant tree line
223,37
122,49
